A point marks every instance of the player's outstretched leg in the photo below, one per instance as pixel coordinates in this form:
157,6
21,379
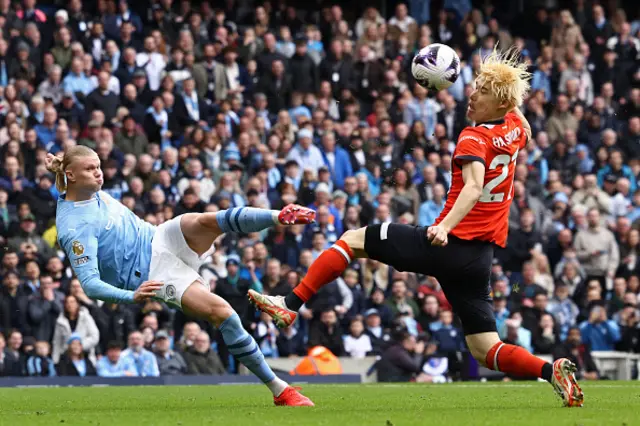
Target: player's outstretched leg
201,229
199,302
489,351
326,268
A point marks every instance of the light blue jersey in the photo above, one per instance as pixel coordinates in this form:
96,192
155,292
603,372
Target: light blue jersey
108,246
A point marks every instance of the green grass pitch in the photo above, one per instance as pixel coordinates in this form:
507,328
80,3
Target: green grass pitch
530,403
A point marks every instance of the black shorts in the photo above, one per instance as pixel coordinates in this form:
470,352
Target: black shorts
462,268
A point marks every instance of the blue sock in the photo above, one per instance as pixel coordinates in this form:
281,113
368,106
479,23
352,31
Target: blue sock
245,219
245,349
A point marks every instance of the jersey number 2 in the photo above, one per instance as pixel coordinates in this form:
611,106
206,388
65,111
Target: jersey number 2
503,161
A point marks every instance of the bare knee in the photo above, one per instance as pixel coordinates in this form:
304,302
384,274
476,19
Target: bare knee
479,345
219,314
355,240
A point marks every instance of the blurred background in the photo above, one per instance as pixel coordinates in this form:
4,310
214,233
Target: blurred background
202,106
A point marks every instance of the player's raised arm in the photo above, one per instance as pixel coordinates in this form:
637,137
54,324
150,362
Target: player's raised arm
81,245
473,177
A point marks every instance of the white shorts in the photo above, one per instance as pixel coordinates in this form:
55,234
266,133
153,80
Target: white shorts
173,263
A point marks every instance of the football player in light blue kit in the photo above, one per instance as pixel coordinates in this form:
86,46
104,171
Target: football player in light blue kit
119,258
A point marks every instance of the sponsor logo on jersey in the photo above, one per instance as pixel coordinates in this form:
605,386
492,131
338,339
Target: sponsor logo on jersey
77,248
473,138
81,261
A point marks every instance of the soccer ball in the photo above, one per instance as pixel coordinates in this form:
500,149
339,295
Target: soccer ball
436,66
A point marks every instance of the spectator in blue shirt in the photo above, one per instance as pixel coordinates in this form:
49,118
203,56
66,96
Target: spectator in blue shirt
431,209
541,80
40,362
600,333
617,168
114,364
77,82
144,361
47,130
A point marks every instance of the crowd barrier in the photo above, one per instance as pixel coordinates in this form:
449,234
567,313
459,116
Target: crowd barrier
614,365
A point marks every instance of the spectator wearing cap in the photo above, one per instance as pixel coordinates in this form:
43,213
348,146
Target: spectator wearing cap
336,159
307,155
378,335
597,250
74,361
29,237
233,288
76,82
75,318
170,363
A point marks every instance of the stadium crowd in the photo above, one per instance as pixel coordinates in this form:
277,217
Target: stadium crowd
193,108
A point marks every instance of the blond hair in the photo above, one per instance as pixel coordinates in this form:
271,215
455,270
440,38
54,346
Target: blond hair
507,77
60,163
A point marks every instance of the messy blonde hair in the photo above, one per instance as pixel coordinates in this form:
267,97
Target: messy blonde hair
62,161
507,77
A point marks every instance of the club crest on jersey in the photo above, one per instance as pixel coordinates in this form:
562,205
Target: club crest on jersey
509,138
77,248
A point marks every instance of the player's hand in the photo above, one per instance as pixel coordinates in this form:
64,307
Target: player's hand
146,291
48,160
438,235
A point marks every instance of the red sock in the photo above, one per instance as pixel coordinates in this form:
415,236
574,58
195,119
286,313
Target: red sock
326,268
514,360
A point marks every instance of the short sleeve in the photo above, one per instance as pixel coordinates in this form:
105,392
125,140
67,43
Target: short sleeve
472,146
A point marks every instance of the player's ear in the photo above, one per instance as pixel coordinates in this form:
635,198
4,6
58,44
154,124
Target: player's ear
69,174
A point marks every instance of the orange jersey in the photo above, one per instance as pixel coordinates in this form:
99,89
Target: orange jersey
496,145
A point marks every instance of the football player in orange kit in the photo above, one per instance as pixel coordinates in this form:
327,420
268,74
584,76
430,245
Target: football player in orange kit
458,249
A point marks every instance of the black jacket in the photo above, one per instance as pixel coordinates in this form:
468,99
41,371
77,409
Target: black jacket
107,103
398,365
66,367
580,356
42,316
319,335
302,66
114,324
203,363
